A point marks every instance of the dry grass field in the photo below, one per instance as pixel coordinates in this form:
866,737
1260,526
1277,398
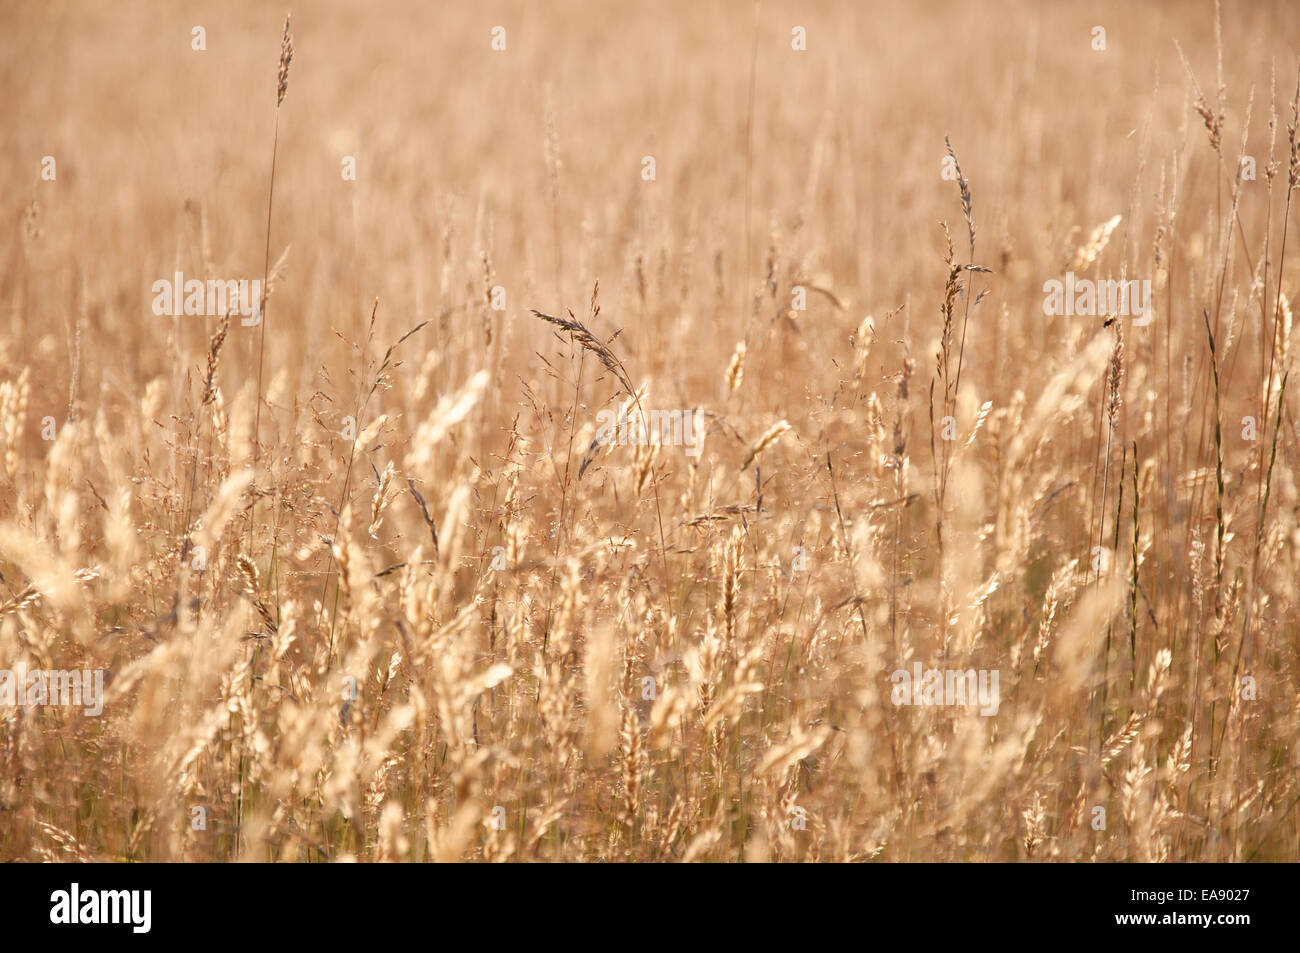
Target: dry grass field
368,575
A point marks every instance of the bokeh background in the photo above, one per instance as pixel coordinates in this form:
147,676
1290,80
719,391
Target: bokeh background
522,169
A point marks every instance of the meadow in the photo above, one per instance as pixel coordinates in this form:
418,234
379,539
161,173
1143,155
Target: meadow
965,528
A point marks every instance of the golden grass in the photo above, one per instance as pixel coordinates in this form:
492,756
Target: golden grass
395,598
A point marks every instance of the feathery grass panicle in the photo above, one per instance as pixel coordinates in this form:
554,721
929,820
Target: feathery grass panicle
286,57
768,437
